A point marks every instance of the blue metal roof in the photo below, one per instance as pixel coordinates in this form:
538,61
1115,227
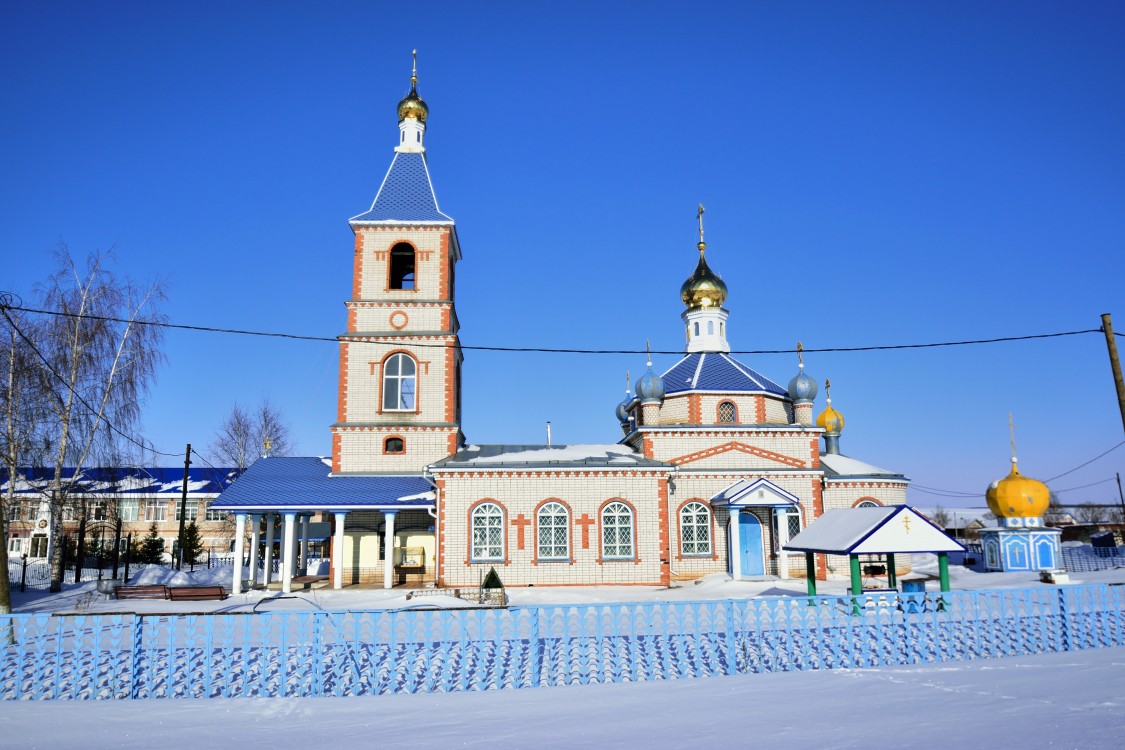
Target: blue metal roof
165,480
716,371
304,483
406,195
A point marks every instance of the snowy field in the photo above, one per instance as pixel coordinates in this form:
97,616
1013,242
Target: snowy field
1070,700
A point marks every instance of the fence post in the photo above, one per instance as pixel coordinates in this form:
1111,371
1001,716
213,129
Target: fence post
135,661
732,644
23,576
318,653
535,641
1064,621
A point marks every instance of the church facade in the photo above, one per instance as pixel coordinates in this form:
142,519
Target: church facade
716,468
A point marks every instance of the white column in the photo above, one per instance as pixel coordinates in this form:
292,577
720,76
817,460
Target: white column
239,548
338,553
267,574
287,549
304,569
389,553
735,546
782,517
255,539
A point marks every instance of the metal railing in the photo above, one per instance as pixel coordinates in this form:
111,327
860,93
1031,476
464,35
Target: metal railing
350,653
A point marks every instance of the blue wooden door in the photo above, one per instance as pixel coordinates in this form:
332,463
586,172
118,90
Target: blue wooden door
750,537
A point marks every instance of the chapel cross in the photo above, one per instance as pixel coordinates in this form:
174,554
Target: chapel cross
906,523
699,214
521,522
585,522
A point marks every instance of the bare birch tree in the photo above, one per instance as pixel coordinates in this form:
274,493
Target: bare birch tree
96,359
19,410
245,437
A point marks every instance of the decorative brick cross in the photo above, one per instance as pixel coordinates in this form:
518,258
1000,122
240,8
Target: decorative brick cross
585,522
520,522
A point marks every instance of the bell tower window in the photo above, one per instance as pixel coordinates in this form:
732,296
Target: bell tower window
402,267
394,445
400,377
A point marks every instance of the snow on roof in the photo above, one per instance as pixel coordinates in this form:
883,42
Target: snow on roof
306,483
890,528
608,455
162,480
838,466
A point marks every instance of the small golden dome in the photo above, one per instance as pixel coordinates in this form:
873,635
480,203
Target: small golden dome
412,105
830,419
1017,496
703,288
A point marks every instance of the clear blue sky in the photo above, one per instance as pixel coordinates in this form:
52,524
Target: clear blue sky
874,173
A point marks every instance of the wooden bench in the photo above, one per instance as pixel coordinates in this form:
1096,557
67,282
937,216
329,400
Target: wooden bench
196,593
142,592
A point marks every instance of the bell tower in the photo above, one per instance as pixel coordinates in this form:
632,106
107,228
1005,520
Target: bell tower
399,406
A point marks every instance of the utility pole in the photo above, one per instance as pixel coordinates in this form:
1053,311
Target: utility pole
183,510
1115,364
1121,497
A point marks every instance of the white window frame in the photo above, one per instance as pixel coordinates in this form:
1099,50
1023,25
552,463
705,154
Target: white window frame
156,511
695,529
129,510
617,532
214,515
552,518
192,511
400,388
486,524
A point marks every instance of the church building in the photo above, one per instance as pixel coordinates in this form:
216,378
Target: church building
716,468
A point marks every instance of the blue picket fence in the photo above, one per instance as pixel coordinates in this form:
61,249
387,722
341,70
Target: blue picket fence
351,653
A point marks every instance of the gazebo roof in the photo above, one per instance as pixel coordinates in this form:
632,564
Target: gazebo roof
860,531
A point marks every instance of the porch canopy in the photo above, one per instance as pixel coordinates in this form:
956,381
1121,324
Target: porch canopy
300,486
886,530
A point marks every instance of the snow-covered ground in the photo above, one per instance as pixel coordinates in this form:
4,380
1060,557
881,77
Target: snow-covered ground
1071,700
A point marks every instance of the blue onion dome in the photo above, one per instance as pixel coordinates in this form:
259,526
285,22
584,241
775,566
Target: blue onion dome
802,388
623,407
650,387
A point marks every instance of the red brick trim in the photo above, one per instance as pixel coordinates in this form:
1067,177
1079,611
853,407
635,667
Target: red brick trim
743,448
858,502
760,409
401,316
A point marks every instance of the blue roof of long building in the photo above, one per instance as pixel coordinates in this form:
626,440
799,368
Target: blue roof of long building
164,480
305,483
406,195
717,371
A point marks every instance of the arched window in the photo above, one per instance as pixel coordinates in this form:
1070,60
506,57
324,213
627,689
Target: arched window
402,267
617,531
553,524
695,529
867,504
400,376
696,325
728,412
710,328
487,525
394,445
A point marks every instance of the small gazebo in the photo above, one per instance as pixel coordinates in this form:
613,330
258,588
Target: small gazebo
886,530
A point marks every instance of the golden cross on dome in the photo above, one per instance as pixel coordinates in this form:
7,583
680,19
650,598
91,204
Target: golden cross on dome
414,72
828,389
906,523
1012,434
648,348
699,215
800,358
626,381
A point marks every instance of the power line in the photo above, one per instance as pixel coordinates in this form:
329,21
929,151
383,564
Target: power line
547,350
4,310
1084,486
1092,460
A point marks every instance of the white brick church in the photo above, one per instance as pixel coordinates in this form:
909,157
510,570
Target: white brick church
718,466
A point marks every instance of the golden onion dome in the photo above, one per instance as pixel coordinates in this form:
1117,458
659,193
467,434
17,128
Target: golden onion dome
412,105
1017,496
703,288
830,419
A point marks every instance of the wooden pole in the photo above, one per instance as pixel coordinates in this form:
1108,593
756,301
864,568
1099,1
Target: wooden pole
179,561
1115,364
